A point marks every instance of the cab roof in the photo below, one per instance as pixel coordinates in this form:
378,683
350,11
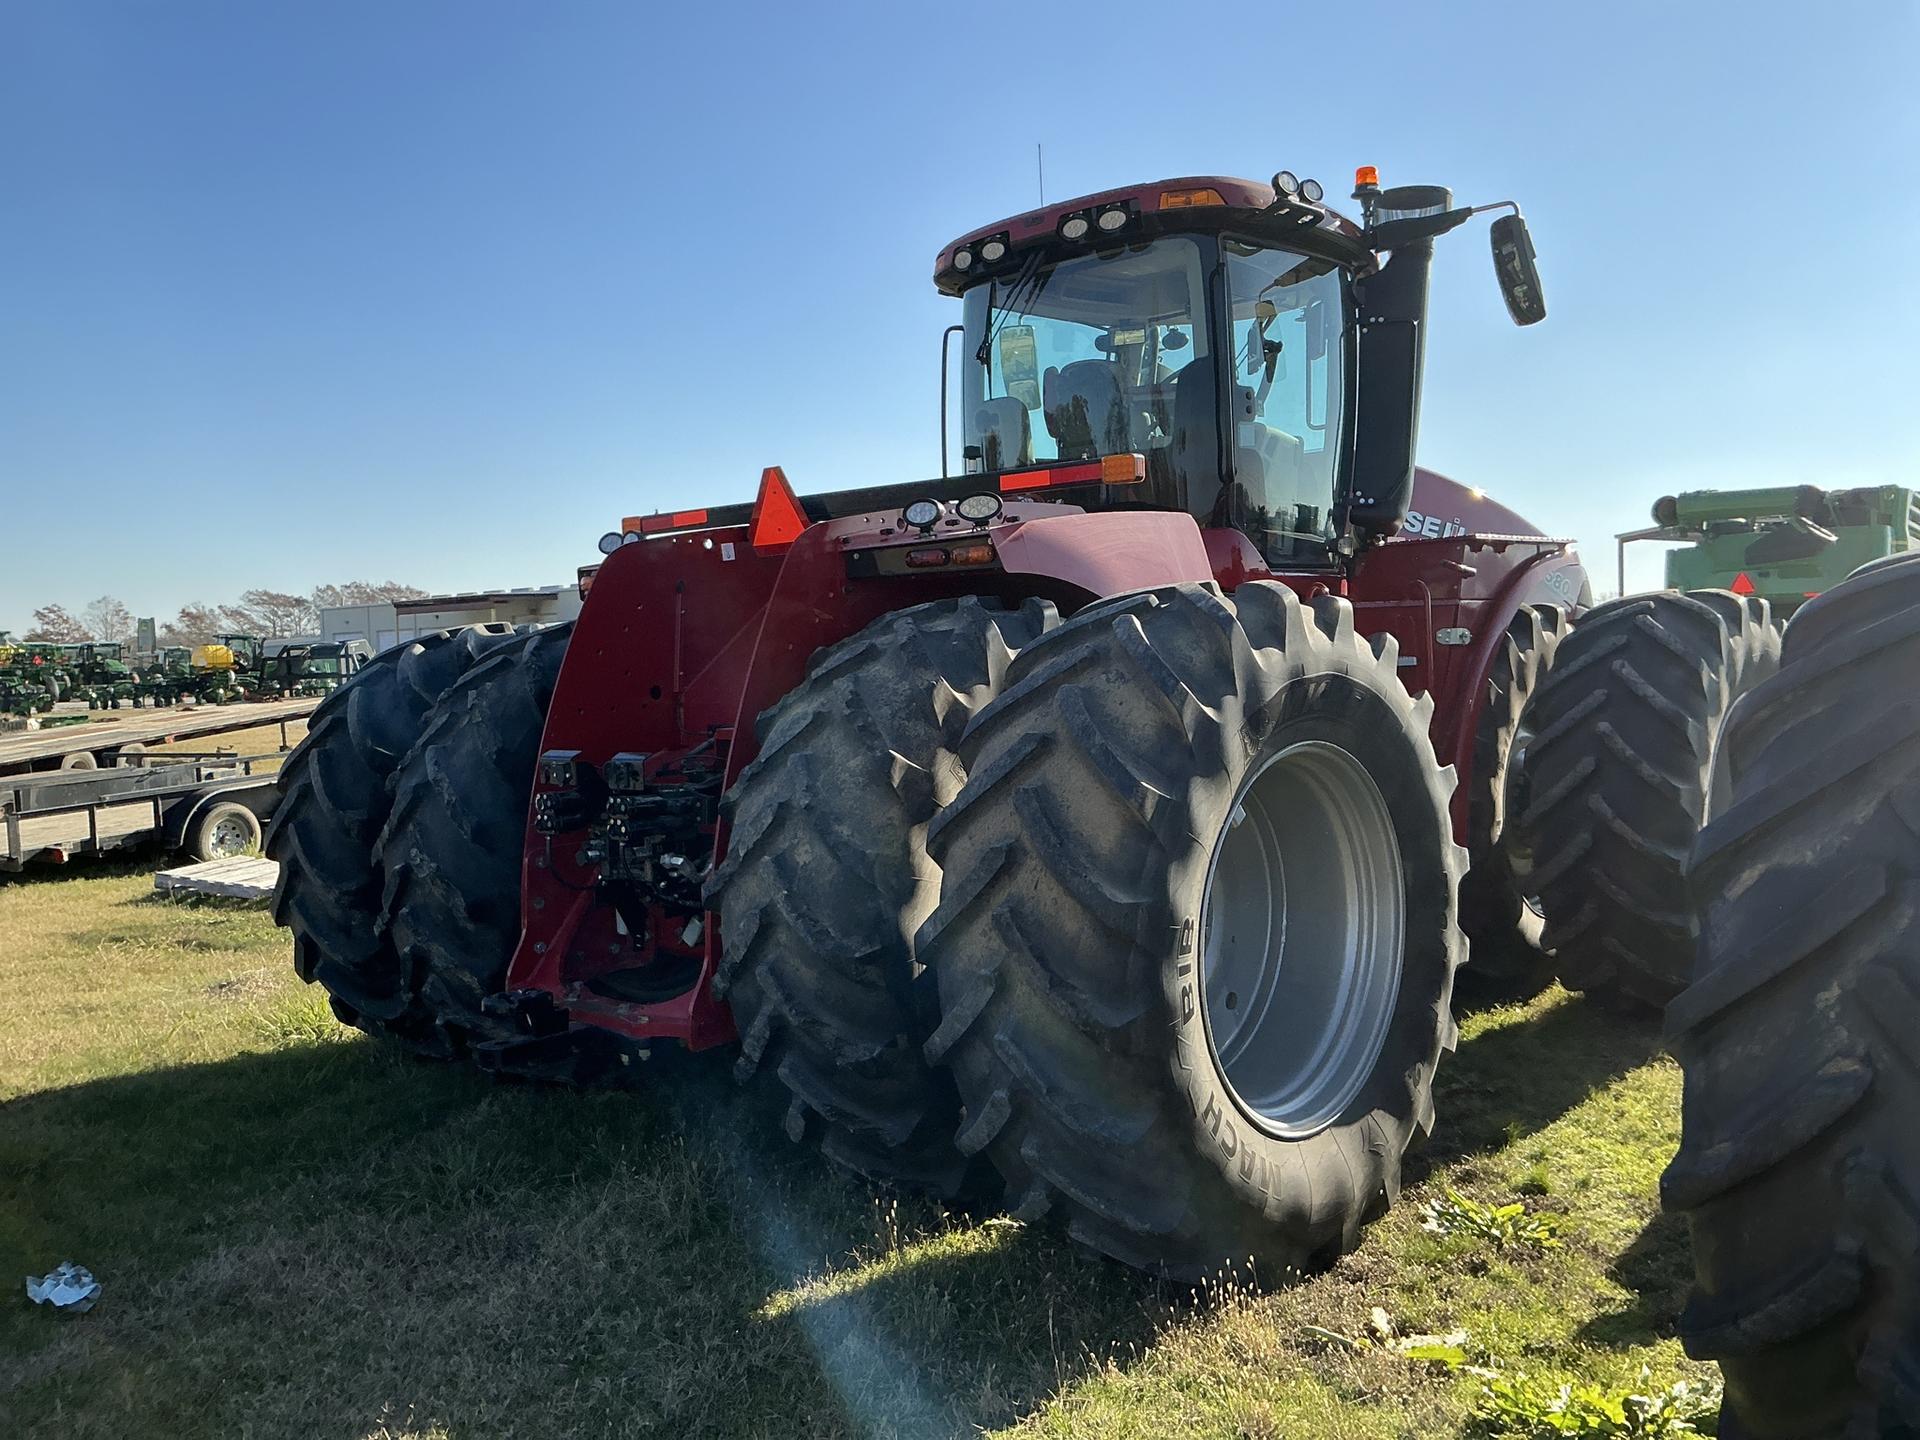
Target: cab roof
1188,202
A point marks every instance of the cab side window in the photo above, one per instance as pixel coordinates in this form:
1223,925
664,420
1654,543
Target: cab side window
1288,391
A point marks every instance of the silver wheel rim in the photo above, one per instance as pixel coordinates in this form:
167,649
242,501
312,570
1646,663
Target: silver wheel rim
230,836
1302,929
1515,794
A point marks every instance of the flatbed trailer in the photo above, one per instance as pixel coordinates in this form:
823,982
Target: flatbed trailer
209,805
104,739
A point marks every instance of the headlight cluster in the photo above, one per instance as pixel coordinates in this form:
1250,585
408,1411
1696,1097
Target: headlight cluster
1108,218
979,508
1289,186
925,514
990,251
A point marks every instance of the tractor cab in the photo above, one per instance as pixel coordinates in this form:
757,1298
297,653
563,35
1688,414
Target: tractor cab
1223,331
315,668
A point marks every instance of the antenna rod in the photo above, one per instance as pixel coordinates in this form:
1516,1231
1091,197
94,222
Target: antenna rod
1040,165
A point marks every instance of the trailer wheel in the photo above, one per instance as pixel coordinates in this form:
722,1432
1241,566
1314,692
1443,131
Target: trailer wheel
827,879
224,831
1197,929
452,848
1799,1162
79,760
335,800
1499,912
1618,778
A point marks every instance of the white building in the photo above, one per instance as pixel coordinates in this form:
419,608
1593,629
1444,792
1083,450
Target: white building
385,625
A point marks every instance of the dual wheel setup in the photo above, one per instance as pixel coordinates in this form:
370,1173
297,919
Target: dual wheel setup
1145,921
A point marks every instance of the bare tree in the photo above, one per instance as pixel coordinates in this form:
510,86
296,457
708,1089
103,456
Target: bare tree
364,592
271,613
53,624
194,625
108,619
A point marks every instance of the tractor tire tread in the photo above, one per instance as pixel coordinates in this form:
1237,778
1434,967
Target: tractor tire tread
1798,1170
826,879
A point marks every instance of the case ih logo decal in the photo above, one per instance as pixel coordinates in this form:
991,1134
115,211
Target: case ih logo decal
1431,527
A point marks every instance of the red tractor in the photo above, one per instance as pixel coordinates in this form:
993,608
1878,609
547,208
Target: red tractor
1094,828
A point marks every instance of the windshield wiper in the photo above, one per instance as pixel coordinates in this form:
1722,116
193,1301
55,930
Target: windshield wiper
1027,274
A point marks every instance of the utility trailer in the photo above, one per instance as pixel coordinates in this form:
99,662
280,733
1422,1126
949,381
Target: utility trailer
212,806
105,742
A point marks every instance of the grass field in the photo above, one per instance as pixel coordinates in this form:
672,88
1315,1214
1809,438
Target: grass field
301,1232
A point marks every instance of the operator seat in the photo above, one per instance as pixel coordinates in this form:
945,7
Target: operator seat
1006,434
1194,450
1086,411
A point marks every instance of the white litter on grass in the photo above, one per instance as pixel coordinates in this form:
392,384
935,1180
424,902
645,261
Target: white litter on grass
67,1287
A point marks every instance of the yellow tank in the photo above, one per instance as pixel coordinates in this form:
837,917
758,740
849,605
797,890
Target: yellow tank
213,657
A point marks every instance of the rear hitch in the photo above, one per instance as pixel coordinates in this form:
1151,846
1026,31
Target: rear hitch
528,1012
573,1055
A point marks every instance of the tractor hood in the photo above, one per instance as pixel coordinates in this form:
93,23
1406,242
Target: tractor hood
1444,507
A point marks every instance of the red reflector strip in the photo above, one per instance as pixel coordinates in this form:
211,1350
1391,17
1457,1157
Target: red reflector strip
1109,470
1742,584
652,524
1059,475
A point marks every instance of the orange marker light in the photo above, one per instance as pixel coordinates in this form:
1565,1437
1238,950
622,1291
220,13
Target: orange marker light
1184,199
1366,175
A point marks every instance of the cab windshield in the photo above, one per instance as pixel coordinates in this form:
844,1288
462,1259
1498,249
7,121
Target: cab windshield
1082,358
1111,353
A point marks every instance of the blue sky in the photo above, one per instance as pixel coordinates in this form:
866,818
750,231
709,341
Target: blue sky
437,292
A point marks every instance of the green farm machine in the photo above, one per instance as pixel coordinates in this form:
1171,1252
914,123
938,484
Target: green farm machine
226,670
101,675
35,675
312,669
1784,545
27,684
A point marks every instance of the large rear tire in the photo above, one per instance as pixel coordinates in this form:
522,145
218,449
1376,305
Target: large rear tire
1619,778
334,801
1502,919
453,846
827,879
1799,1163
1173,793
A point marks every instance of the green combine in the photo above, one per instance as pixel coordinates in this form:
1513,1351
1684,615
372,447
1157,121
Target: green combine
1784,545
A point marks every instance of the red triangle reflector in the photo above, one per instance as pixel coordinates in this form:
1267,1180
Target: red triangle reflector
1742,585
777,516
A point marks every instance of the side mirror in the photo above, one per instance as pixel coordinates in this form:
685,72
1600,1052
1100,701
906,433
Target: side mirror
1514,268
1019,360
